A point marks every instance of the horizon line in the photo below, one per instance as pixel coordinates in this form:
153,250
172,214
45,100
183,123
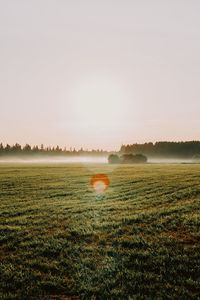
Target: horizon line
72,148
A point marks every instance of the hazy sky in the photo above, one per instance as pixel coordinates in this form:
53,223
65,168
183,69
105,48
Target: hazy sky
97,73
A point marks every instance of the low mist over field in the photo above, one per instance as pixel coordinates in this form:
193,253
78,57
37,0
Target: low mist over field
162,160
83,159
56,159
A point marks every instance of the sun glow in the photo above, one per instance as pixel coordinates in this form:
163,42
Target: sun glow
96,111
100,183
97,103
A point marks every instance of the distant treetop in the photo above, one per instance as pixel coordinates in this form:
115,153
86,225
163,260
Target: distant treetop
164,149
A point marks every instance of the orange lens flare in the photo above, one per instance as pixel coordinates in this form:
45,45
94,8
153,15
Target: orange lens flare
100,183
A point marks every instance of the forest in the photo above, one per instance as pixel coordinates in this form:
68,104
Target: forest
188,150
18,150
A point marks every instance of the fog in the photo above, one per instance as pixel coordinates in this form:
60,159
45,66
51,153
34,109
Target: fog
82,159
55,159
169,160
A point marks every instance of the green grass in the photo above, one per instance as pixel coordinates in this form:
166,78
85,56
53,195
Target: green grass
59,240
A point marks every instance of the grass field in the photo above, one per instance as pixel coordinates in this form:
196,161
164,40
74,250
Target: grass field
59,240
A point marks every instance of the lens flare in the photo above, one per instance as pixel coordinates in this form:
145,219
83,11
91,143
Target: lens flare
100,183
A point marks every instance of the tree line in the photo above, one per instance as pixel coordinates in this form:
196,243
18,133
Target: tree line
164,149
158,149
17,149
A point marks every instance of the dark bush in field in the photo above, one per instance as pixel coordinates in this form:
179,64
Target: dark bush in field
127,159
113,159
133,159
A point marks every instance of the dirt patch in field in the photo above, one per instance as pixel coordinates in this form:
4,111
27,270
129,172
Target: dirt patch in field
183,236
62,297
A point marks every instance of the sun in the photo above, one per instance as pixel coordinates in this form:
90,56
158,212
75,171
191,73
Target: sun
97,111
97,101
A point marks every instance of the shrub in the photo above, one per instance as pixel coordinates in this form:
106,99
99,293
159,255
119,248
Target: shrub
127,159
113,159
133,159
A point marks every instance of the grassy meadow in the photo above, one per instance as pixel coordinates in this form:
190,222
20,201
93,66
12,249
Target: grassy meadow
60,240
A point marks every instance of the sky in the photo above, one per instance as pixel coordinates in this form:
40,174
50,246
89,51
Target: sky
98,74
